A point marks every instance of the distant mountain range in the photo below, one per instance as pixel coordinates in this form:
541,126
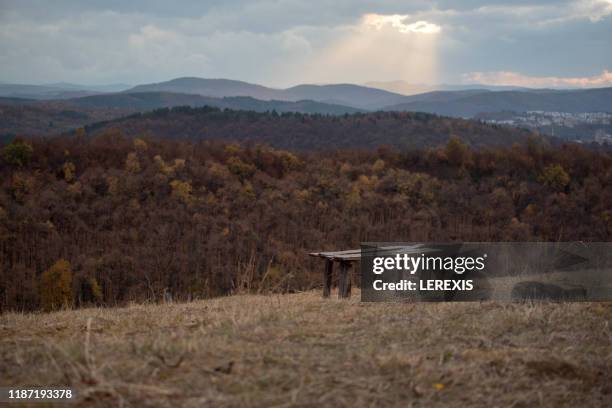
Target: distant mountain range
149,100
54,108
471,103
355,96
457,102
450,100
407,88
62,90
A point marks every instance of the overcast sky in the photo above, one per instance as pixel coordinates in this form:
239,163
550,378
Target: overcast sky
286,42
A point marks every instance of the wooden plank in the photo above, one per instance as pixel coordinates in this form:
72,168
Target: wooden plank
351,253
352,257
327,277
355,254
344,280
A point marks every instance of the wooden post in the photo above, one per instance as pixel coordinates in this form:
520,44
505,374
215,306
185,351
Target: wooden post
327,277
344,281
350,277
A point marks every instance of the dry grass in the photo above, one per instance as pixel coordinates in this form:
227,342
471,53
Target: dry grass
300,350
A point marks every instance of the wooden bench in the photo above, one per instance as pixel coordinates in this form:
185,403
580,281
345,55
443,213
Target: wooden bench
348,258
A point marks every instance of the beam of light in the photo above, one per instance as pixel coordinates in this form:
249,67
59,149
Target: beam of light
379,47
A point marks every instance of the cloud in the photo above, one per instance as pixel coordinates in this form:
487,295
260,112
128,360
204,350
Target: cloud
544,14
398,22
282,43
515,79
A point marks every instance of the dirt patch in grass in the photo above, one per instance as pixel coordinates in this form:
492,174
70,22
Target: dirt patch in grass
301,350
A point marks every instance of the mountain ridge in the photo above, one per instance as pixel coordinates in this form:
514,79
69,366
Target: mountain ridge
351,95
456,102
572,101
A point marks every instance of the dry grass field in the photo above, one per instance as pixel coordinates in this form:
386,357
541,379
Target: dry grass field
301,350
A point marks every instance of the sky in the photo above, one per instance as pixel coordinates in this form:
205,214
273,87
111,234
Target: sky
280,43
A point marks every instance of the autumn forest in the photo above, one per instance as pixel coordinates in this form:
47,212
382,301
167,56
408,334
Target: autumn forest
106,219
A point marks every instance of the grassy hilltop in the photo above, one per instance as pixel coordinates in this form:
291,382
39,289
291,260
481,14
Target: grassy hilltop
300,350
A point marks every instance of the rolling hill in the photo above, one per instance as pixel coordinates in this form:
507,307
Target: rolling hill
143,101
209,87
345,94
38,118
407,88
460,104
33,119
355,96
311,132
458,101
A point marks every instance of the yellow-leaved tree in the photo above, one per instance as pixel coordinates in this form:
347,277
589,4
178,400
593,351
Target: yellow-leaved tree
555,177
182,190
56,286
457,151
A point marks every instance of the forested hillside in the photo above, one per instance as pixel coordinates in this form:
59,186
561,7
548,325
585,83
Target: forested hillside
49,117
106,219
312,132
41,118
